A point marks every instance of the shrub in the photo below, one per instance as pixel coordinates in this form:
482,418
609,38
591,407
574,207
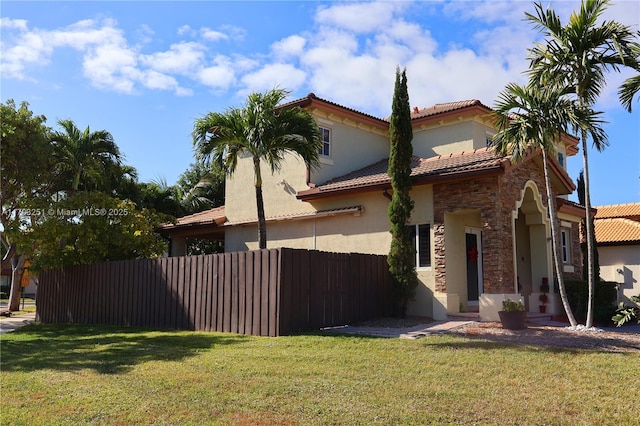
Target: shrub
626,314
604,299
509,305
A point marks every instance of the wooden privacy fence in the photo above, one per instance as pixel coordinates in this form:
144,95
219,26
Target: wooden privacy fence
264,292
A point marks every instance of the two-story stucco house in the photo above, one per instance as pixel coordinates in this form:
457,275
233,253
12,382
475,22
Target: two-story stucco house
481,224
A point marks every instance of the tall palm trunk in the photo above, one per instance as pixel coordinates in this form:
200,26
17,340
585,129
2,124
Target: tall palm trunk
262,223
555,242
589,232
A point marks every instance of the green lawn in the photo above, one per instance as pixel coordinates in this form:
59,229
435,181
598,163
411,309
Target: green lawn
81,374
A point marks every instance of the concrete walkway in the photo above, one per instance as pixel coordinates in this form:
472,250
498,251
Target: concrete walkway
414,332
13,322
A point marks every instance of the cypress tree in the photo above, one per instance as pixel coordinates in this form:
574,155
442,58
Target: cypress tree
401,257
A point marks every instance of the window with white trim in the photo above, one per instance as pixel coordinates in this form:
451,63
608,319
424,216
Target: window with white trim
561,159
325,135
488,139
421,239
565,237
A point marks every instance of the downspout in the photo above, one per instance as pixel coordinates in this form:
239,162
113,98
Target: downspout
314,233
308,179
386,194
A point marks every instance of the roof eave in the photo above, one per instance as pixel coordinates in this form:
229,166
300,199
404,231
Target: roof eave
315,193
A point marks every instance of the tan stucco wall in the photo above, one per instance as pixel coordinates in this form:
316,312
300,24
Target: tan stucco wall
352,148
450,137
279,199
366,232
626,259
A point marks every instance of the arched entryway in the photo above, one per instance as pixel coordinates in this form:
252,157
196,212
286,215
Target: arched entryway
532,253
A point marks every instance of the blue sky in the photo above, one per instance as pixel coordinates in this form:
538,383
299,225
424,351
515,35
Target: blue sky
146,70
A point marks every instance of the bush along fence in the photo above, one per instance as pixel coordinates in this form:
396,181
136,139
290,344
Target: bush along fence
269,292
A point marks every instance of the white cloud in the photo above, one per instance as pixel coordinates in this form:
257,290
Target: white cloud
19,24
156,80
112,66
289,46
359,17
285,76
490,12
212,35
181,58
185,29
220,75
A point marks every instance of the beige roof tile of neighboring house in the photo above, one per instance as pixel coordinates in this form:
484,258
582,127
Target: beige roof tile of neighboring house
630,210
440,167
617,230
212,216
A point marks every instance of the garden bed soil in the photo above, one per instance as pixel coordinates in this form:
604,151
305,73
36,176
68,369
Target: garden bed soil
624,339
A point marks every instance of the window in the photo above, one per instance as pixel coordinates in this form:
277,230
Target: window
566,245
326,142
421,237
488,139
561,159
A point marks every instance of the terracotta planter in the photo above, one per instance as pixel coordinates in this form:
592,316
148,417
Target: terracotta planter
516,320
543,309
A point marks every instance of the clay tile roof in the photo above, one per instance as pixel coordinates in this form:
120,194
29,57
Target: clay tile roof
617,224
302,215
312,97
421,168
213,216
630,210
617,230
446,107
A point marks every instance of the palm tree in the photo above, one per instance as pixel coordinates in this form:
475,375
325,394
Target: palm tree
628,90
83,158
262,131
201,187
576,56
530,118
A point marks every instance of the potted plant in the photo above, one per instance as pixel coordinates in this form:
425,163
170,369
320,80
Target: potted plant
543,302
512,315
544,289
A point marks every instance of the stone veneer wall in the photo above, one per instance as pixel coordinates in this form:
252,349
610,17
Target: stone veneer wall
576,253
495,197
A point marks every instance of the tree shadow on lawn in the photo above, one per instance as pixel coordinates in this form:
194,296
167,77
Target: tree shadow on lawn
104,349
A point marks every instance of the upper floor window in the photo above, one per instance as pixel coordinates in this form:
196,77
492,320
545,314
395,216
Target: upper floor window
565,238
325,135
561,159
421,238
488,138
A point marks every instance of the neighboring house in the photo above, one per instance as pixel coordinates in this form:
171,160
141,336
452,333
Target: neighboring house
617,229
5,284
480,223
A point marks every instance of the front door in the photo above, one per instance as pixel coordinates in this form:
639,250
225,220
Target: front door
474,265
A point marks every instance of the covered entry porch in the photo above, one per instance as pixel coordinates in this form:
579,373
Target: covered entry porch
491,257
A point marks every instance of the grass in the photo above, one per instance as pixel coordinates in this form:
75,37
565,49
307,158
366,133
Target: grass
83,374
30,307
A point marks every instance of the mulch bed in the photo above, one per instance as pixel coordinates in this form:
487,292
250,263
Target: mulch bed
554,337
535,335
